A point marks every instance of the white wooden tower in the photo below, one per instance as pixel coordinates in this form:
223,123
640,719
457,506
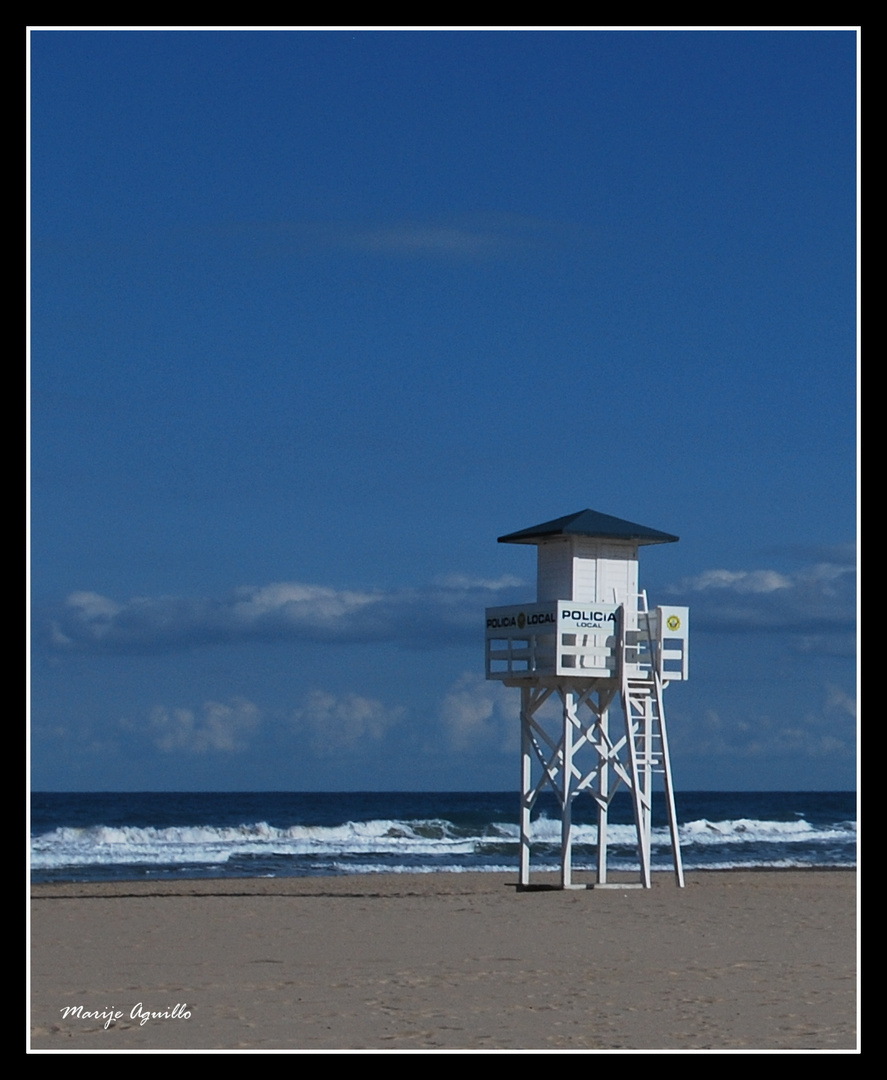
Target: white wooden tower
589,642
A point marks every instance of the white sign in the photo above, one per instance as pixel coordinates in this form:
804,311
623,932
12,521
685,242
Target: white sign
573,616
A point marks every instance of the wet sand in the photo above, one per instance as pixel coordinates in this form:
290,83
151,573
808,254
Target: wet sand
736,960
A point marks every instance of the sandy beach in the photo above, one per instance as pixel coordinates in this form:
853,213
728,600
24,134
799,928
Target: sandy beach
737,960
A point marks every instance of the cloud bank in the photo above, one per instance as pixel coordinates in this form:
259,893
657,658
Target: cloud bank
466,238
449,612
472,714
816,606
818,599
827,732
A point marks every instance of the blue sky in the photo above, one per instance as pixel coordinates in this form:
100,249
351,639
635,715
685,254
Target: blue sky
317,315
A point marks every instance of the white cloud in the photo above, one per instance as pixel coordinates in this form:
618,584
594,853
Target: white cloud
817,604
466,582
427,240
217,727
480,236
94,607
830,730
334,724
741,581
837,702
477,713
293,602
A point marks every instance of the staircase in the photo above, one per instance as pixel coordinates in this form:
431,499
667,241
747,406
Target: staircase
647,739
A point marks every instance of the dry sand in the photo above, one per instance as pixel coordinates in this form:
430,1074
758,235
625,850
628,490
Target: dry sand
737,960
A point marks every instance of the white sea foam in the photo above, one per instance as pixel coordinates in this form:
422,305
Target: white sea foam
747,831
434,839
214,845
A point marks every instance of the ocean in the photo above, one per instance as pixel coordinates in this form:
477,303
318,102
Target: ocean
124,836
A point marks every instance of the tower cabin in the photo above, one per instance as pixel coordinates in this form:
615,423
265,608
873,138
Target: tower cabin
586,582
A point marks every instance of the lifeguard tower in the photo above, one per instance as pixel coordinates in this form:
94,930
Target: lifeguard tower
589,641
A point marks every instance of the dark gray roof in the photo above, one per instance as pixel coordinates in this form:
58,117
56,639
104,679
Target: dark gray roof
589,523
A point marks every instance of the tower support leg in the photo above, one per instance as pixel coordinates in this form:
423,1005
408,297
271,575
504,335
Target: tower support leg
567,792
603,802
526,786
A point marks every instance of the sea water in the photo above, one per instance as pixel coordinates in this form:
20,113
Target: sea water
113,836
